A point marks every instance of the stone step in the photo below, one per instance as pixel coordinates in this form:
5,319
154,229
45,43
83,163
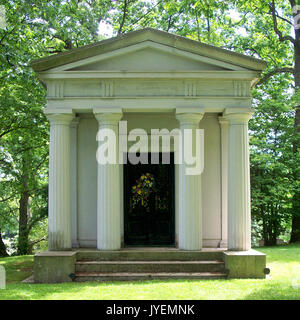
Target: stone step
98,276
151,255
149,266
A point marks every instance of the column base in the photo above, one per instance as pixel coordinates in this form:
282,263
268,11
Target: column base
245,264
54,266
223,244
108,249
75,244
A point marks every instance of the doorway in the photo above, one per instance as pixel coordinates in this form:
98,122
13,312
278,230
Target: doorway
149,203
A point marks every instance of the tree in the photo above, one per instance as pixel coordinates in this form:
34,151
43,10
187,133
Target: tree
3,252
259,28
258,17
33,29
263,29
271,158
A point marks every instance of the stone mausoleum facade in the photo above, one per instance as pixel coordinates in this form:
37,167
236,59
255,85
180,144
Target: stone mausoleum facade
152,80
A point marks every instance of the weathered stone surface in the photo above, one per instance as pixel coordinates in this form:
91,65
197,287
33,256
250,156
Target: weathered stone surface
60,237
54,266
239,213
148,255
148,276
149,266
147,34
108,196
93,265
245,264
190,200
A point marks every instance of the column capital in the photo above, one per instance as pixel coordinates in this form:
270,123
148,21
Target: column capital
108,115
224,122
189,115
238,115
75,122
60,116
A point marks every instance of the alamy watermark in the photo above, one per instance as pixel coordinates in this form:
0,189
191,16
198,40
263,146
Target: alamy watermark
2,17
2,278
188,147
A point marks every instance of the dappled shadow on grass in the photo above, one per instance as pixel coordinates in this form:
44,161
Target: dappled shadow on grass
274,292
26,291
283,261
17,268
282,253
96,290
245,289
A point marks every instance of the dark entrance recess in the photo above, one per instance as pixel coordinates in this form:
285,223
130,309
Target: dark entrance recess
149,204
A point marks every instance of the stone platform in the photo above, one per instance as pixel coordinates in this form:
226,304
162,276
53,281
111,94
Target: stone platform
146,263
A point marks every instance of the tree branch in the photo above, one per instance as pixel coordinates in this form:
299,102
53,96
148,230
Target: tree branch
281,37
12,30
2,134
281,18
8,198
242,20
254,51
123,18
31,243
271,73
144,15
33,221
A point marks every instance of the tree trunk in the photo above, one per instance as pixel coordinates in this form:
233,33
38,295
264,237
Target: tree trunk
23,221
295,234
264,230
270,241
3,252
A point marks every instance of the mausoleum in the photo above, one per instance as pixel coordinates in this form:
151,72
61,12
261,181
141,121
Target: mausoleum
135,221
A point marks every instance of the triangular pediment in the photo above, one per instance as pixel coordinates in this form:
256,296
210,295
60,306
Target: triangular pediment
148,49
148,56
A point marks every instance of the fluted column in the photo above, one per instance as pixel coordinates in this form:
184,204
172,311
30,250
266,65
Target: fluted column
108,194
74,186
224,126
190,201
59,222
239,217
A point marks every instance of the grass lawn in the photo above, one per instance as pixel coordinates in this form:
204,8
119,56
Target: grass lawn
282,283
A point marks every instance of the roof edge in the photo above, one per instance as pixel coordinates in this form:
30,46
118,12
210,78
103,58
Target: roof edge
142,35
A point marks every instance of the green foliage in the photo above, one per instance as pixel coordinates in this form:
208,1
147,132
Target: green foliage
272,159
273,137
35,29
